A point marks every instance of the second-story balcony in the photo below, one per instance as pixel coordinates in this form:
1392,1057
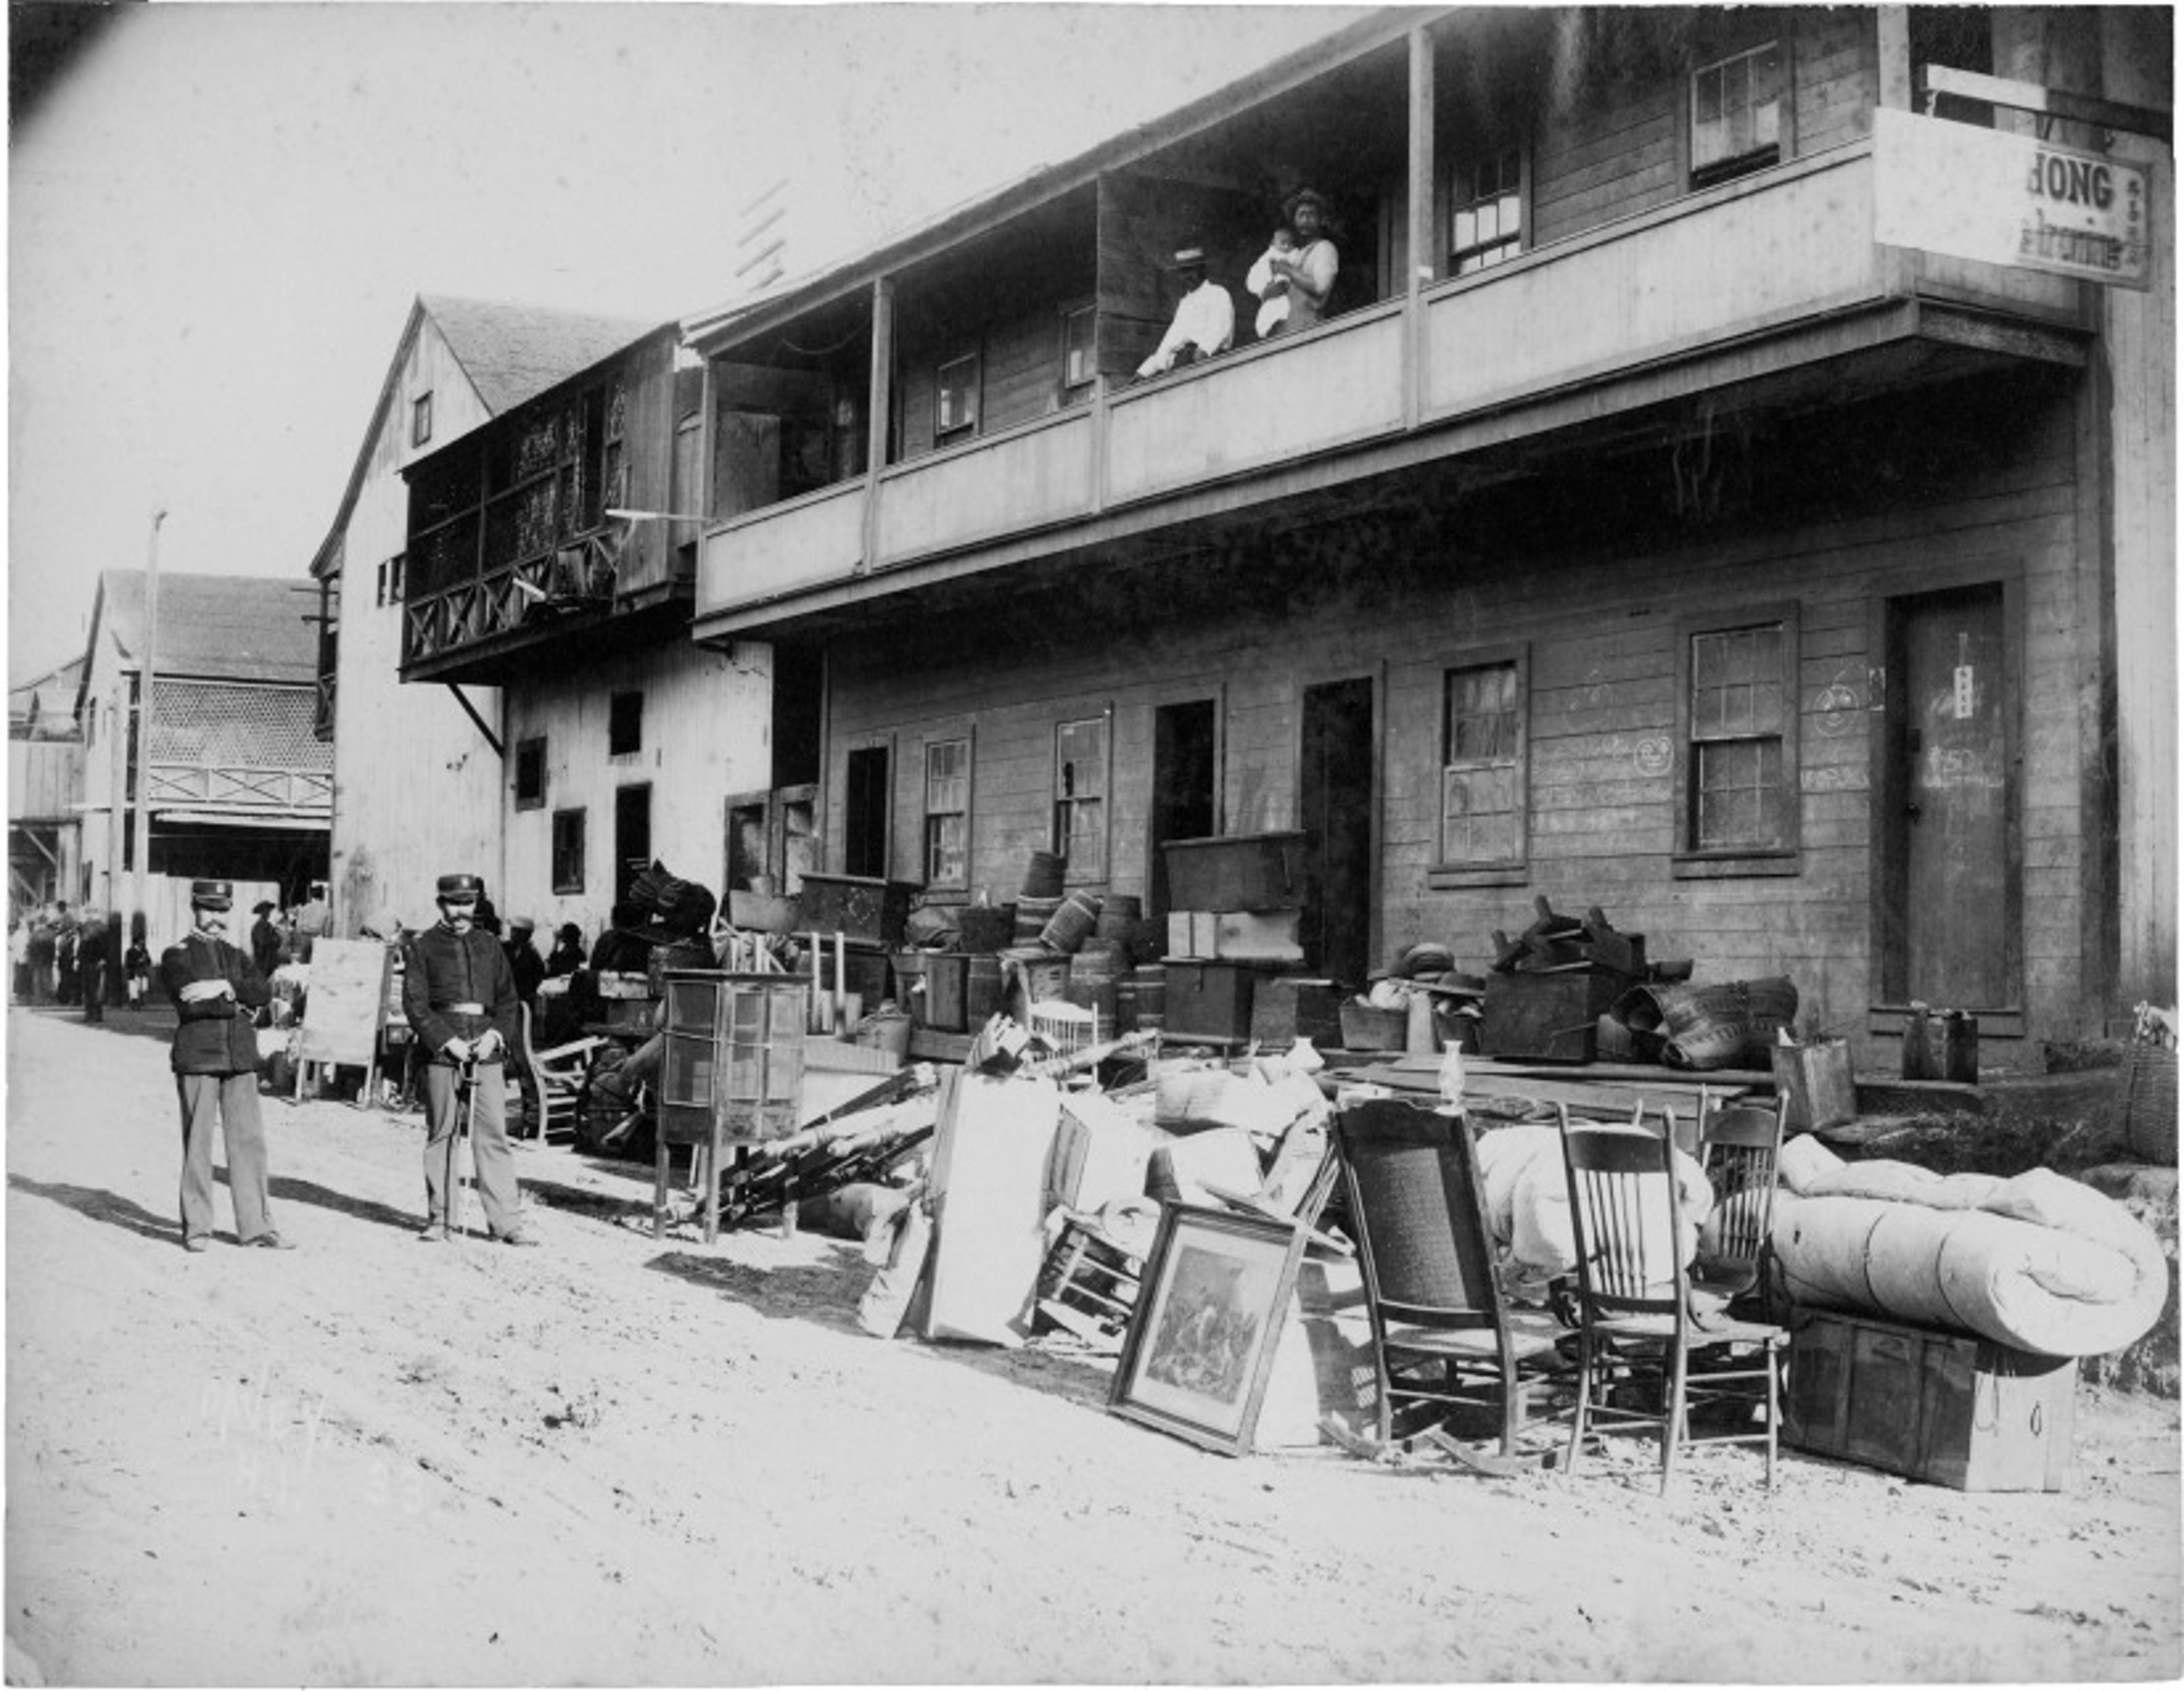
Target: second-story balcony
1739,286
555,523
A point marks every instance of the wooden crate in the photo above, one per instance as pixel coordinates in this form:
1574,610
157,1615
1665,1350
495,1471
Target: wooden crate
1551,1018
1208,1000
1945,1407
867,909
1239,872
1283,1006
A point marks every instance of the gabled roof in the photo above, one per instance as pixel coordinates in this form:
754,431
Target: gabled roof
515,353
254,628
510,353
46,704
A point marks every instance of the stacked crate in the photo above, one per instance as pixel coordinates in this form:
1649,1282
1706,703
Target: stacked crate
1236,916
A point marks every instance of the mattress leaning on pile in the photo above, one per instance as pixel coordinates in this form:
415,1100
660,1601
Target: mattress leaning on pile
2036,1261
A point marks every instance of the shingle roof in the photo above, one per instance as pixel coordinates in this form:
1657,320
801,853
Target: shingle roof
232,627
515,353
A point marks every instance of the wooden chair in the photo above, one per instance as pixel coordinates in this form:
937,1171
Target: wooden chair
1739,1147
558,1074
1426,1247
1637,1333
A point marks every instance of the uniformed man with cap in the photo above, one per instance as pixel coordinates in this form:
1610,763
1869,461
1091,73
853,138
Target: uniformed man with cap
459,996
217,992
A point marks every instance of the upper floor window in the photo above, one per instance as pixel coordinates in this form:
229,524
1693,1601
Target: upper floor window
1738,706
420,420
1482,784
948,813
625,724
1486,210
1078,364
1080,797
1736,114
389,589
955,400
530,773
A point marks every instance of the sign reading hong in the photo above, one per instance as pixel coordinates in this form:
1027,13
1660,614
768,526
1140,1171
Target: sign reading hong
2011,199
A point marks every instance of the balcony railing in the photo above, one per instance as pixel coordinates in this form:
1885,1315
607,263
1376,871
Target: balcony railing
530,593
242,789
1760,260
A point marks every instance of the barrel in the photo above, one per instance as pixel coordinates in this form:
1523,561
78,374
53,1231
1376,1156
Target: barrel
1120,913
1071,926
1043,874
1032,915
1094,976
1147,990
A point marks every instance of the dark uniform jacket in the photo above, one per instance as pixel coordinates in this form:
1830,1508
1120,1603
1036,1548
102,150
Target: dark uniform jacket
442,970
219,1036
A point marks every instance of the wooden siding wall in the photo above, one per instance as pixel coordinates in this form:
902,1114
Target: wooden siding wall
649,450
416,786
1019,368
1143,219
705,734
1626,151
45,779
1598,623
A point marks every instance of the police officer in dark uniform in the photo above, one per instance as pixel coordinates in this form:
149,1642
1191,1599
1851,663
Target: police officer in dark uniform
459,996
217,991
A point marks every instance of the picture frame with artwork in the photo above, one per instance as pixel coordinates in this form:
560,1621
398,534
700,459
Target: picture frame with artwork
1201,1346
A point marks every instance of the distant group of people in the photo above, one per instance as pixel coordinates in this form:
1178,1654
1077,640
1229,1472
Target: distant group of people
1292,281
75,957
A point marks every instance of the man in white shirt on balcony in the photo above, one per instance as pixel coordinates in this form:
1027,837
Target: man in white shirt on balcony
1205,318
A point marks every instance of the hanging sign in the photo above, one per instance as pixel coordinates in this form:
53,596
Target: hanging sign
1969,192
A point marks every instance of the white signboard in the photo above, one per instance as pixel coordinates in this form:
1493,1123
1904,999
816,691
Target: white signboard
2009,199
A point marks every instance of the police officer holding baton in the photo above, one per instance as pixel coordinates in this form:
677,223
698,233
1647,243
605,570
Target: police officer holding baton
459,995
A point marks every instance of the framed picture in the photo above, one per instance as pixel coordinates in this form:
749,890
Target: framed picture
1201,1344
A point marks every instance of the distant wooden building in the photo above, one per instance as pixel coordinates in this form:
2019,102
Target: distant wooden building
419,785
230,775
45,788
1670,514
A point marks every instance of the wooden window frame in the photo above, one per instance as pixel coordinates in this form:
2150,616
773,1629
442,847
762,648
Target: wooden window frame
934,881
420,419
1077,393
568,876
1464,162
533,746
944,431
626,737
1756,159
1076,874
1446,872
1689,861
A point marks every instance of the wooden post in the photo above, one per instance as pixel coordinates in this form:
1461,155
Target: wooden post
881,398
1420,243
1893,36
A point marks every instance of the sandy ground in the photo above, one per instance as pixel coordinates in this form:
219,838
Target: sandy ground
374,1462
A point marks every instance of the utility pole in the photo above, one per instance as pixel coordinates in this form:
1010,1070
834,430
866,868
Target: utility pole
143,818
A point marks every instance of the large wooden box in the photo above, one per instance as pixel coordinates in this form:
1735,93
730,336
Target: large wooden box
1546,1018
870,911
1283,1006
1208,1000
1945,1407
1239,872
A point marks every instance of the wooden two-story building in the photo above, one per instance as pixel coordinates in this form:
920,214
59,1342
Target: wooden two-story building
1674,512
550,557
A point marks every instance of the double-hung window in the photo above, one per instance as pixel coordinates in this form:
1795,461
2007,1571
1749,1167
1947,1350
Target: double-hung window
568,851
531,773
1080,797
1486,210
1737,113
956,398
948,814
1482,796
1738,712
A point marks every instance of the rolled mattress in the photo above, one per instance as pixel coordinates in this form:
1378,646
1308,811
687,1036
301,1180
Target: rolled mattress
2037,1261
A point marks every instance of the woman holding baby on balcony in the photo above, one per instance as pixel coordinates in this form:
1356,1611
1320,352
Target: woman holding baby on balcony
1293,278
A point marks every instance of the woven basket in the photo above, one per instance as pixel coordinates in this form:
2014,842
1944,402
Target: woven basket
1725,1027
2149,1106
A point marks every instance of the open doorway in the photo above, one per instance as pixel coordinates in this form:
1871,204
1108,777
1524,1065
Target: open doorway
865,813
632,836
1186,786
1337,804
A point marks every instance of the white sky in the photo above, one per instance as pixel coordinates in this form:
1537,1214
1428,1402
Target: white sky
218,221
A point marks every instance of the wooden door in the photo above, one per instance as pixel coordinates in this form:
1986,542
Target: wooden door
632,836
1186,772
1336,805
1952,776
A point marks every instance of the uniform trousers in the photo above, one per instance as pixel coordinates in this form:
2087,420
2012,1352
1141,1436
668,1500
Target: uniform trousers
489,1153
231,1101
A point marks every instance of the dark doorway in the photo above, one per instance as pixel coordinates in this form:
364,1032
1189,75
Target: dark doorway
1336,805
1186,779
1948,886
865,813
632,836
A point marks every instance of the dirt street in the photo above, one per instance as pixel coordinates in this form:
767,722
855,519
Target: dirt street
371,1461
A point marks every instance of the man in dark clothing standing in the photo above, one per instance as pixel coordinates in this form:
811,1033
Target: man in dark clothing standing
91,964
459,995
216,990
264,938
524,961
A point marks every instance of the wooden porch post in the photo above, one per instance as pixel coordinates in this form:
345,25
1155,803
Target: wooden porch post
1419,245
876,423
